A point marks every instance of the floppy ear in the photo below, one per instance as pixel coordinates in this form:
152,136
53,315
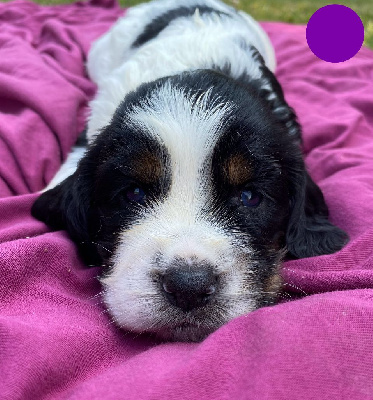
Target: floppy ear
309,232
67,206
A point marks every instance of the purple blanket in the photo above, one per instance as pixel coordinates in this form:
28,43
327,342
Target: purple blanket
57,341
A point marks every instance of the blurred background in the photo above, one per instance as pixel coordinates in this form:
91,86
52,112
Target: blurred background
293,11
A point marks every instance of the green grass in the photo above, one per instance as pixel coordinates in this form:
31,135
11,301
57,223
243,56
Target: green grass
293,11
300,11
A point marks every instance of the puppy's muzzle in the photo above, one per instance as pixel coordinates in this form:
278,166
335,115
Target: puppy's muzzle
189,286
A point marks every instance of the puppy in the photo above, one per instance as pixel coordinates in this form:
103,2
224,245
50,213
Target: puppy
192,188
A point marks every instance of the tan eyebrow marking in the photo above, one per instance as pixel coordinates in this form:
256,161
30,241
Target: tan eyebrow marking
148,168
238,170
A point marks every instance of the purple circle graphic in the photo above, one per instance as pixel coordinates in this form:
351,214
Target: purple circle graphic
335,33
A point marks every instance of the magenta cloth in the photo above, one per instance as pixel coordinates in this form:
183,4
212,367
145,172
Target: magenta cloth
56,340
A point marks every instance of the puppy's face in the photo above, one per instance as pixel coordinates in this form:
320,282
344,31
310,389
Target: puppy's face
191,195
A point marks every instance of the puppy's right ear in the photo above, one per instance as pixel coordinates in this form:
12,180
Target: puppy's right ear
67,207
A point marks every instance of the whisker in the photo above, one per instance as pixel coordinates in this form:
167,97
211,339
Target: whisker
97,244
284,295
296,287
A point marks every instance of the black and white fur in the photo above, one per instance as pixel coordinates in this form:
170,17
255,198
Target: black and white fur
193,187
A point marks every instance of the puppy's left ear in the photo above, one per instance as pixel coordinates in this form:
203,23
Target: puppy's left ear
309,232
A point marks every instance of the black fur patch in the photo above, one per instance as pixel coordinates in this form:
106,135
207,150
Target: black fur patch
82,139
158,24
267,86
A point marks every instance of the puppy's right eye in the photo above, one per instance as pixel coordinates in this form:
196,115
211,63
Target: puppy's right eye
136,195
251,198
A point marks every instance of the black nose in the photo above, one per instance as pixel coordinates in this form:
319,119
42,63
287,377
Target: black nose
189,287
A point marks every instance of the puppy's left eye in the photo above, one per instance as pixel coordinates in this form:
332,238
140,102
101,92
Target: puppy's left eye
136,195
251,198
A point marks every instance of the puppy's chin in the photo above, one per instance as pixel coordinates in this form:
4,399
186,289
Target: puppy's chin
197,327
185,333
183,329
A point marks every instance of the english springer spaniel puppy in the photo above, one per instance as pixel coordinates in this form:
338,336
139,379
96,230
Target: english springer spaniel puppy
192,188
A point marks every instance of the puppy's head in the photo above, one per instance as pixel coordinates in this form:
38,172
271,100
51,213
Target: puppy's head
192,195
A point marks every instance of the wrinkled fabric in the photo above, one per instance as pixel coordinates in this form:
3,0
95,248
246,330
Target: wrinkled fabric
56,339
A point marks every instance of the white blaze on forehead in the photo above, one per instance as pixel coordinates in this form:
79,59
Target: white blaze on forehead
188,127
177,226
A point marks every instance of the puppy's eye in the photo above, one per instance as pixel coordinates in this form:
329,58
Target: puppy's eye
251,198
136,195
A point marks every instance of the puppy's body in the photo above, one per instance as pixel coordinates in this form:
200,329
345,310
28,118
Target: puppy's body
167,38
193,187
